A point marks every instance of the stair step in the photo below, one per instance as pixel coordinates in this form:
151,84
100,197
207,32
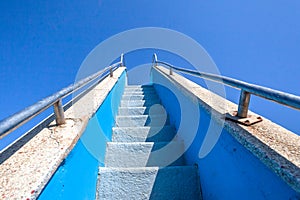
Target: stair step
141,120
139,86
143,134
148,183
133,110
138,103
142,154
155,109
139,97
135,92
145,160
150,90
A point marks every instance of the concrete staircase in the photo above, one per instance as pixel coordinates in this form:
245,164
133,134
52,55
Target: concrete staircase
145,160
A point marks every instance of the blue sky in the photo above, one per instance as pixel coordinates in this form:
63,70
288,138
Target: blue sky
43,43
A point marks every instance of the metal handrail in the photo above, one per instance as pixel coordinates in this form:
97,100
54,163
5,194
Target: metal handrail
16,120
247,89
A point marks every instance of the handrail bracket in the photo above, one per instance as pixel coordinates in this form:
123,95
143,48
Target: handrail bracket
241,116
247,121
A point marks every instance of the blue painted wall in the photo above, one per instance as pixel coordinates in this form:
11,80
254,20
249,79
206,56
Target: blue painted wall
229,171
76,177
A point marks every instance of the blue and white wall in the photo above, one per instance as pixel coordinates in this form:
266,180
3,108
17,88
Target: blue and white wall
229,171
77,175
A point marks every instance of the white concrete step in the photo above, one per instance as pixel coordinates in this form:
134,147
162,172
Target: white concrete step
141,120
172,183
133,110
155,109
145,160
144,154
139,96
139,92
139,87
143,134
138,103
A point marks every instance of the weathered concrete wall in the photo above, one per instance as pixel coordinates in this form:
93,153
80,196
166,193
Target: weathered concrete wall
256,162
76,177
24,174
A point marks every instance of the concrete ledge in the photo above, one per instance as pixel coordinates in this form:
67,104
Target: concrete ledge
277,147
24,174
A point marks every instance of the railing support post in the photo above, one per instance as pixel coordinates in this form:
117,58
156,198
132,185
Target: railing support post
59,112
122,61
243,104
111,72
154,60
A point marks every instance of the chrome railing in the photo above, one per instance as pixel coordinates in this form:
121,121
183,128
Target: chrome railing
16,120
247,89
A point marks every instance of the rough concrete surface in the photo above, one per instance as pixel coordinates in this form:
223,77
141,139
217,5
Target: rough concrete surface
24,174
